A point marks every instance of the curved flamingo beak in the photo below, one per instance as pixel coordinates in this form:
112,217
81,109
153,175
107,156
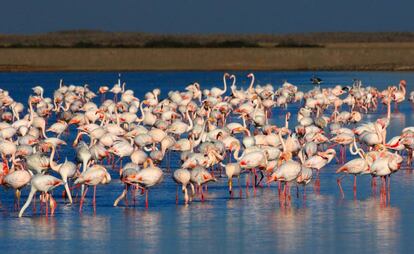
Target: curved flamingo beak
271,179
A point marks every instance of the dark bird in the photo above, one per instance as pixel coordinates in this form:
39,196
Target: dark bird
315,80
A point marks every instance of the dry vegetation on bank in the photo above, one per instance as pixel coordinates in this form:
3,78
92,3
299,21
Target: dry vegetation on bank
103,51
98,39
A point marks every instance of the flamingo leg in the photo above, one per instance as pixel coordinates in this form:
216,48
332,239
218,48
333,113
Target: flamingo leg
373,185
202,193
240,188
46,204
176,195
53,204
247,184
94,199
355,186
168,160
288,192
260,180
146,198
18,193
255,182
68,192
83,199
338,181
192,192
34,204
304,192
389,189
134,191
185,195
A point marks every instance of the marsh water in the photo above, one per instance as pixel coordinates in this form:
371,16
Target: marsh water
323,223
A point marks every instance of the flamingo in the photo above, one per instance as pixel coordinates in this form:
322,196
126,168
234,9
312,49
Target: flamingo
148,177
233,170
354,167
199,177
17,180
217,92
287,172
128,177
44,184
66,170
182,176
94,175
320,160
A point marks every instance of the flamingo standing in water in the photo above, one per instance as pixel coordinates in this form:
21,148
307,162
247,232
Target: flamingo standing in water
17,180
44,184
287,172
199,177
354,167
183,176
148,177
233,170
398,95
67,170
129,176
318,161
94,175
202,125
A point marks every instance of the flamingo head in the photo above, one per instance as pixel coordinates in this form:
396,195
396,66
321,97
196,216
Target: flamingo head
208,178
35,99
272,178
287,116
384,122
285,156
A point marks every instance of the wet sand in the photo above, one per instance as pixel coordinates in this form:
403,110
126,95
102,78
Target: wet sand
336,56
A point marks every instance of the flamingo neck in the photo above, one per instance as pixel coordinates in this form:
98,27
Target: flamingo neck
236,154
31,116
301,156
190,127
251,82
75,142
142,113
53,164
402,88
225,84
282,141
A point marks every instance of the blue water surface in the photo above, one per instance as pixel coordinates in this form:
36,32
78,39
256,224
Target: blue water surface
323,223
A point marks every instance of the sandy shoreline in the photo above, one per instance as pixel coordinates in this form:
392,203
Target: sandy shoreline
341,56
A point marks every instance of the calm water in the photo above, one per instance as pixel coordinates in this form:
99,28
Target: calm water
322,223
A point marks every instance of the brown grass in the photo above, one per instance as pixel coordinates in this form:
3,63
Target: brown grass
335,56
90,39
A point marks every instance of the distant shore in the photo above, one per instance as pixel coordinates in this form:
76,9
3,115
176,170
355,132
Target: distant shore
388,56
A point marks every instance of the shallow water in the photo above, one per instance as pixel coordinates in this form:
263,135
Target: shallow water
322,223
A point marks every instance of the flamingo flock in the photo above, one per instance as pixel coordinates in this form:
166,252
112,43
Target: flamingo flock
217,133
